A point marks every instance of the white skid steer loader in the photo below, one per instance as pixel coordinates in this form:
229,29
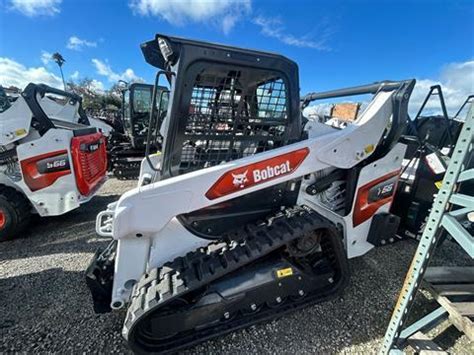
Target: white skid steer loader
250,211
51,159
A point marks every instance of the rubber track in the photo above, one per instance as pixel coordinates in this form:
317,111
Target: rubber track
21,206
120,167
124,170
198,268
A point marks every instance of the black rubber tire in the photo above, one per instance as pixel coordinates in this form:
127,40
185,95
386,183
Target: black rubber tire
16,210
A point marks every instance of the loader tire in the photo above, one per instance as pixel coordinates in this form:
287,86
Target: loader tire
15,213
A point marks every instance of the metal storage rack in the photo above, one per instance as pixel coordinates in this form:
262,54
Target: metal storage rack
450,209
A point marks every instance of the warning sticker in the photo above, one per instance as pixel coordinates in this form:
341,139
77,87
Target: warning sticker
438,184
284,272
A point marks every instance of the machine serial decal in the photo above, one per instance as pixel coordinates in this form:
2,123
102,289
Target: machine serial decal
257,173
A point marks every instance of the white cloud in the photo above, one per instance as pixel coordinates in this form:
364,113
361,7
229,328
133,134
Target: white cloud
16,74
457,82
46,57
77,44
274,28
32,8
75,75
105,69
223,14
97,86
317,110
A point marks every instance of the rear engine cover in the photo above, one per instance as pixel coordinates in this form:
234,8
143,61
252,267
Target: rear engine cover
90,161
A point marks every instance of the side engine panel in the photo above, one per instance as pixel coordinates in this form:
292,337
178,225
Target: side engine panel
372,194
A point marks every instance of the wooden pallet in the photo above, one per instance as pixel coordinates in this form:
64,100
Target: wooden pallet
453,288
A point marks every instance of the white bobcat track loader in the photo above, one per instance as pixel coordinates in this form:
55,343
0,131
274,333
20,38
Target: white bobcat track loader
248,213
51,159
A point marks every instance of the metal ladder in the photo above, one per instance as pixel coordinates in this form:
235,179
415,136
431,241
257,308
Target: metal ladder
439,217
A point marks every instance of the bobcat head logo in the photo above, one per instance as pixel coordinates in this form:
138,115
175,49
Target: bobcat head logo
240,179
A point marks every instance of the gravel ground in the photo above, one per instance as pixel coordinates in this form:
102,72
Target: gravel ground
45,305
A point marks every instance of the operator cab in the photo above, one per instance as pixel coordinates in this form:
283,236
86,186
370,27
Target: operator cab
136,105
225,103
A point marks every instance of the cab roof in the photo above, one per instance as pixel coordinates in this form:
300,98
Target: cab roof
153,55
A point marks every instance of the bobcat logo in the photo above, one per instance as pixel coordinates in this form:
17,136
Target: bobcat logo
240,179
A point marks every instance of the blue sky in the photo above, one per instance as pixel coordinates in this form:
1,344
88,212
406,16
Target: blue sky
335,43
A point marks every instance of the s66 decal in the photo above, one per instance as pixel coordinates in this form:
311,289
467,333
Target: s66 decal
53,164
256,173
43,170
372,195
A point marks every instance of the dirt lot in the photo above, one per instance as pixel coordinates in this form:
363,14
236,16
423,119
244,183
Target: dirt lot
45,305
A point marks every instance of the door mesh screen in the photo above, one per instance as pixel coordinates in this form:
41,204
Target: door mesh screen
233,114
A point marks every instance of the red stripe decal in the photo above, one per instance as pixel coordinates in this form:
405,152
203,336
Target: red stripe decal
253,174
43,170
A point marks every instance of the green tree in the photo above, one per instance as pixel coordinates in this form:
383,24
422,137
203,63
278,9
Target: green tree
96,102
